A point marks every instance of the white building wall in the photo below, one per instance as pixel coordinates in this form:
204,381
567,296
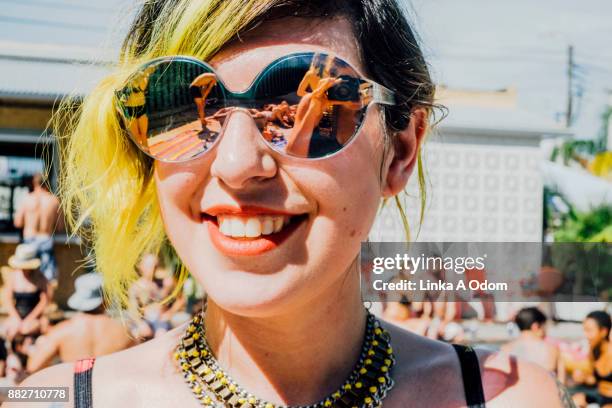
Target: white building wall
476,192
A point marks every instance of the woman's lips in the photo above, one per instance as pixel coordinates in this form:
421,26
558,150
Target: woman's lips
243,246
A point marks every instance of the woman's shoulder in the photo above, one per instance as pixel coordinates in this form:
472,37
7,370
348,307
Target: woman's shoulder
60,375
147,365
506,381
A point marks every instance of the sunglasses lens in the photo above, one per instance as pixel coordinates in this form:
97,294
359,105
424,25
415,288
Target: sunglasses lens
166,107
306,105
309,105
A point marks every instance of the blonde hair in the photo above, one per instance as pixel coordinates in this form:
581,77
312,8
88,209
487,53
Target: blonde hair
106,183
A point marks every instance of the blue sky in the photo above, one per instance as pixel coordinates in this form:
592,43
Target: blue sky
472,44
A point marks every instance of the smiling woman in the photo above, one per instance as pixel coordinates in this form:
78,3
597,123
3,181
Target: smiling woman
259,117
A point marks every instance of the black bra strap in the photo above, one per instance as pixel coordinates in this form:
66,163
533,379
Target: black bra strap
83,370
470,371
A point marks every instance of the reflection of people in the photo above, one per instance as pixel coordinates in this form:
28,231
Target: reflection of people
40,216
315,73
25,293
319,101
597,327
280,115
199,90
274,240
89,333
531,345
134,103
309,113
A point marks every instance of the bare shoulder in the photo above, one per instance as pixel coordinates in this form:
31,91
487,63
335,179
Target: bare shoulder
507,382
138,376
60,375
150,365
426,372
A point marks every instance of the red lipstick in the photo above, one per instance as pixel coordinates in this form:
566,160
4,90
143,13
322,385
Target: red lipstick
234,246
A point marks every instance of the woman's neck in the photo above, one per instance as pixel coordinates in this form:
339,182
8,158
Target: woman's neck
298,357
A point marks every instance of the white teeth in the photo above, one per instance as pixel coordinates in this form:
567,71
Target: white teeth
267,226
225,226
251,227
237,227
278,223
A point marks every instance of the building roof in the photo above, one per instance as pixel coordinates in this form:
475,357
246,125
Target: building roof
493,113
50,49
42,79
53,48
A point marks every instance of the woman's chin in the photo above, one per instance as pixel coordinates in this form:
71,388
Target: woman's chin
256,295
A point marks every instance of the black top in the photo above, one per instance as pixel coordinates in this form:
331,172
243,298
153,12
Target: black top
25,302
598,377
470,371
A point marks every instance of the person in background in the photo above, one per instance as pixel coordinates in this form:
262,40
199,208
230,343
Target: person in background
25,293
597,326
39,216
530,344
3,356
134,103
199,89
90,333
14,372
151,316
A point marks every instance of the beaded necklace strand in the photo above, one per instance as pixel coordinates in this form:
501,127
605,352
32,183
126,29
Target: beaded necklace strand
366,387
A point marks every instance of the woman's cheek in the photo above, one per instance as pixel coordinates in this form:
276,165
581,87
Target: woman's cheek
176,189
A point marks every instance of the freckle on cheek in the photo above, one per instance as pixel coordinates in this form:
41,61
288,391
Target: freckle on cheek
343,209
353,232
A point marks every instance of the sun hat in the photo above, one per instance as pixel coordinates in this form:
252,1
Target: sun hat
88,293
25,257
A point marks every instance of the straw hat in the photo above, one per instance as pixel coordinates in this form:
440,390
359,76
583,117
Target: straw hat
88,293
25,257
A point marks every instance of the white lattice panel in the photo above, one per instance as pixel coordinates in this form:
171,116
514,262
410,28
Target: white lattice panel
475,193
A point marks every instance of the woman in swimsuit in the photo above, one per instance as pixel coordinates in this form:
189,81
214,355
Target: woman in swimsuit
274,240
134,102
597,327
200,89
310,110
25,293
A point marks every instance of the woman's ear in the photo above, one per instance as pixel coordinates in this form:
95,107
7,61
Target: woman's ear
405,153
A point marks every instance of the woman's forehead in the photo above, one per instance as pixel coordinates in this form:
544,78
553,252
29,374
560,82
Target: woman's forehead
239,63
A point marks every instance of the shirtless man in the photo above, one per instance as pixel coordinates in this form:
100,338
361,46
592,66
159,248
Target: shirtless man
90,333
530,344
39,215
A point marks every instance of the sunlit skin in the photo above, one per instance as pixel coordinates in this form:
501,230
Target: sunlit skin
288,323
594,334
206,82
597,336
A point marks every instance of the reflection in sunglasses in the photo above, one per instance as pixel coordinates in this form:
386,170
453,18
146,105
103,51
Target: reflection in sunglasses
306,105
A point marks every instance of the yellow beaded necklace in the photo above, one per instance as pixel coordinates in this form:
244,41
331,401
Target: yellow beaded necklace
366,387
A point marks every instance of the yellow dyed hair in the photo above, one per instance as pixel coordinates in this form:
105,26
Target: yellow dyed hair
106,183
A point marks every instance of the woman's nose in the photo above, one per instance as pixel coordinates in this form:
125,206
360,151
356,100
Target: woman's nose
241,155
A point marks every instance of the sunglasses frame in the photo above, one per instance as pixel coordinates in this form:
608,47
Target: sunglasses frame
379,94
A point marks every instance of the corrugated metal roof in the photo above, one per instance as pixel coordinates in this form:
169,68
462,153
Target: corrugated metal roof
53,48
501,122
44,80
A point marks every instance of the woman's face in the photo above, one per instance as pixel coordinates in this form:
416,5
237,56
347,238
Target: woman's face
328,205
593,332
